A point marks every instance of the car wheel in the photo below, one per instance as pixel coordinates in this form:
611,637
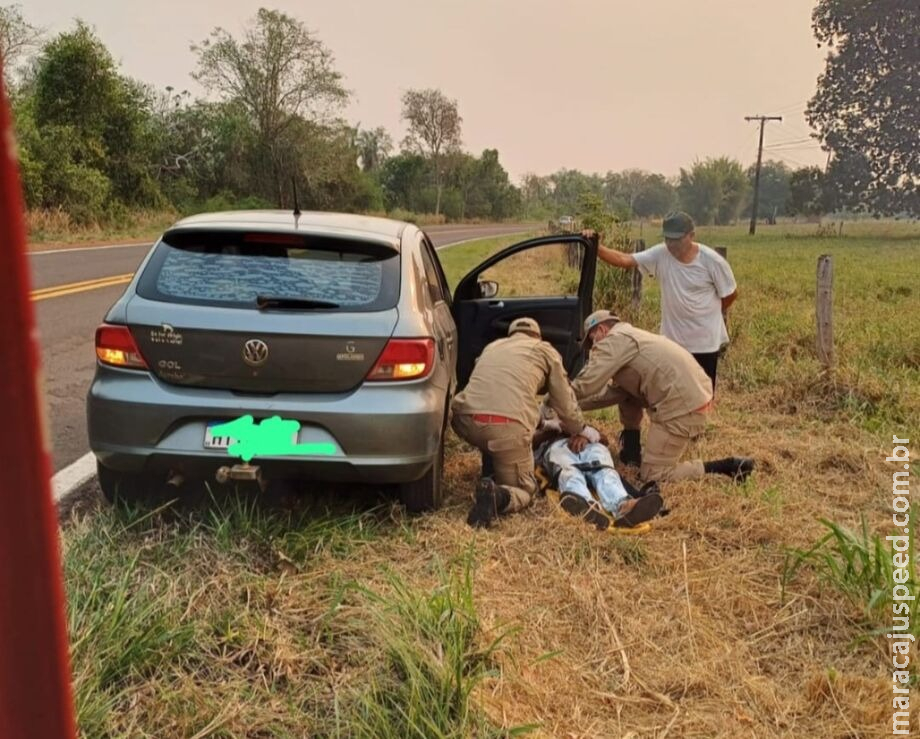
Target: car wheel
122,487
426,494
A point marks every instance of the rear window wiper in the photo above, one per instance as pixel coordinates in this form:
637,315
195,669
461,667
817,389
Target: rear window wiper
270,301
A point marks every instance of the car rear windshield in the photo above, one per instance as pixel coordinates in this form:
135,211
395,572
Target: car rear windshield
236,269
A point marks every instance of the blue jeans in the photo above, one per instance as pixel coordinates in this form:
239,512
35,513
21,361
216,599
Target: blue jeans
605,480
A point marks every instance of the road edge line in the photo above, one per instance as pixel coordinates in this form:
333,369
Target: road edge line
478,238
66,481
148,244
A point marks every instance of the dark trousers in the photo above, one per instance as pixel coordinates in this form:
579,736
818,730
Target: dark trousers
709,361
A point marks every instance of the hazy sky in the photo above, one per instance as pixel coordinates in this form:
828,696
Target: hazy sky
594,85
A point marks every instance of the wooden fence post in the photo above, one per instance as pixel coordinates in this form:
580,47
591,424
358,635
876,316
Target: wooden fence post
824,312
637,246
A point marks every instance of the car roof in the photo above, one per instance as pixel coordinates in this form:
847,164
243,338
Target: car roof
284,221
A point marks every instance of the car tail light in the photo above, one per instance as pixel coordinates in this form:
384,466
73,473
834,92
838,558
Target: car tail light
115,346
404,359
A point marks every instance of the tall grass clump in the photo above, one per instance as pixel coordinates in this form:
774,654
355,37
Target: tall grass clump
859,566
433,662
124,618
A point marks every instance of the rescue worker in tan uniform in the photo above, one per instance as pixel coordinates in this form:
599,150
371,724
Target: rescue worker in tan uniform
638,370
498,411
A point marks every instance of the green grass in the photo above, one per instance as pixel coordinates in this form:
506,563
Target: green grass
433,663
876,292
235,605
458,260
56,227
858,565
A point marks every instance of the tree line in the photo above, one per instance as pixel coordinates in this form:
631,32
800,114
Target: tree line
98,145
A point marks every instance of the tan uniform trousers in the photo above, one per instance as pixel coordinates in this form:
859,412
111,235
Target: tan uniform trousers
512,456
665,445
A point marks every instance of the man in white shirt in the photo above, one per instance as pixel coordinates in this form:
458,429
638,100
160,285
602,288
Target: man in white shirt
697,287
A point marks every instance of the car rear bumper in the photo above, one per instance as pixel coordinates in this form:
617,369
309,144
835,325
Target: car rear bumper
386,433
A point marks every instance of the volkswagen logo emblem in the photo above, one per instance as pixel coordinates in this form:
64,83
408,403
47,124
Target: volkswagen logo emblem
255,352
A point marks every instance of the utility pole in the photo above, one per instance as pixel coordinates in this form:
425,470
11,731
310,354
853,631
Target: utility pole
763,120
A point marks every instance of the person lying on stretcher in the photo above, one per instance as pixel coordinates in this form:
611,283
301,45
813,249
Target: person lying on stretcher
575,468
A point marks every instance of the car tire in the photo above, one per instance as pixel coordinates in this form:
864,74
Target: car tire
122,487
426,493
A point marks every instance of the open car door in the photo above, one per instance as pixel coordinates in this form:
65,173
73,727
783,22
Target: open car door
549,279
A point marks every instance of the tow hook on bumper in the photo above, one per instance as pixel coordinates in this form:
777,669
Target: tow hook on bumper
239,472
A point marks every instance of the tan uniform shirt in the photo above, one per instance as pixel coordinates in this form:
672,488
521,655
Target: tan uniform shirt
509,375
663,376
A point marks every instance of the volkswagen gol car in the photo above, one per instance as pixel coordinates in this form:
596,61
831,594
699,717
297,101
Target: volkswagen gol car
341,323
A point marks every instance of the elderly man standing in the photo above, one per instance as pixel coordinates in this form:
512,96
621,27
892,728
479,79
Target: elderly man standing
639,370
697,287
498,411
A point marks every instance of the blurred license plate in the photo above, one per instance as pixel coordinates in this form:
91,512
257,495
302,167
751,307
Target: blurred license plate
224,442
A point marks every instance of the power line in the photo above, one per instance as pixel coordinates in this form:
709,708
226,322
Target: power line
794,162
763,121
789,142
793,149
795,130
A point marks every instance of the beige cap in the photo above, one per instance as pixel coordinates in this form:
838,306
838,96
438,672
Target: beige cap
595,319
524,324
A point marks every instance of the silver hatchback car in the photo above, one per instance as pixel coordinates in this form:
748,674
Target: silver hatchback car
342,324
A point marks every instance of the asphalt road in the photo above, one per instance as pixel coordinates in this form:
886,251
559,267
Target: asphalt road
67,324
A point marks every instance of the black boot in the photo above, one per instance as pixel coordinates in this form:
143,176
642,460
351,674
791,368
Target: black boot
577,506
491,499
652,488
634,492
630,448
738,468
640,510
573,504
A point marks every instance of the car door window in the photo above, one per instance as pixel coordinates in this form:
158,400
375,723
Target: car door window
437,288
547,270
442,278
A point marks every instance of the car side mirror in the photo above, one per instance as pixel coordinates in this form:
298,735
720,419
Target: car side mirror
488,288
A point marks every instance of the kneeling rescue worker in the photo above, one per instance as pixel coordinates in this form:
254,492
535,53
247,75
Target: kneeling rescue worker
498,411
638,370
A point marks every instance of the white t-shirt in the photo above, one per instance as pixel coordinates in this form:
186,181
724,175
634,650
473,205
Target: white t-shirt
691,296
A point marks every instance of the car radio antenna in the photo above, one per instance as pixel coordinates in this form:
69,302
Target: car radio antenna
296,205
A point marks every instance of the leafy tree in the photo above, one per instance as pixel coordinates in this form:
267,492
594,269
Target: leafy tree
17,37
867,105
568,188
774,189
713,191
77,83
656,198
403,178
279,73
622,188
203,149
535,194
640,193
499,198
806,192
93,138
374,146
434,129
848,181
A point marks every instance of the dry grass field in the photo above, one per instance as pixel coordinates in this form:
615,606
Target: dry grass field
339,616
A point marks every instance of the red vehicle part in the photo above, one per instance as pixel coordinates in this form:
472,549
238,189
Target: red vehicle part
35,698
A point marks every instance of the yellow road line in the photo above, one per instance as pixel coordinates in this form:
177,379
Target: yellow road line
57,291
